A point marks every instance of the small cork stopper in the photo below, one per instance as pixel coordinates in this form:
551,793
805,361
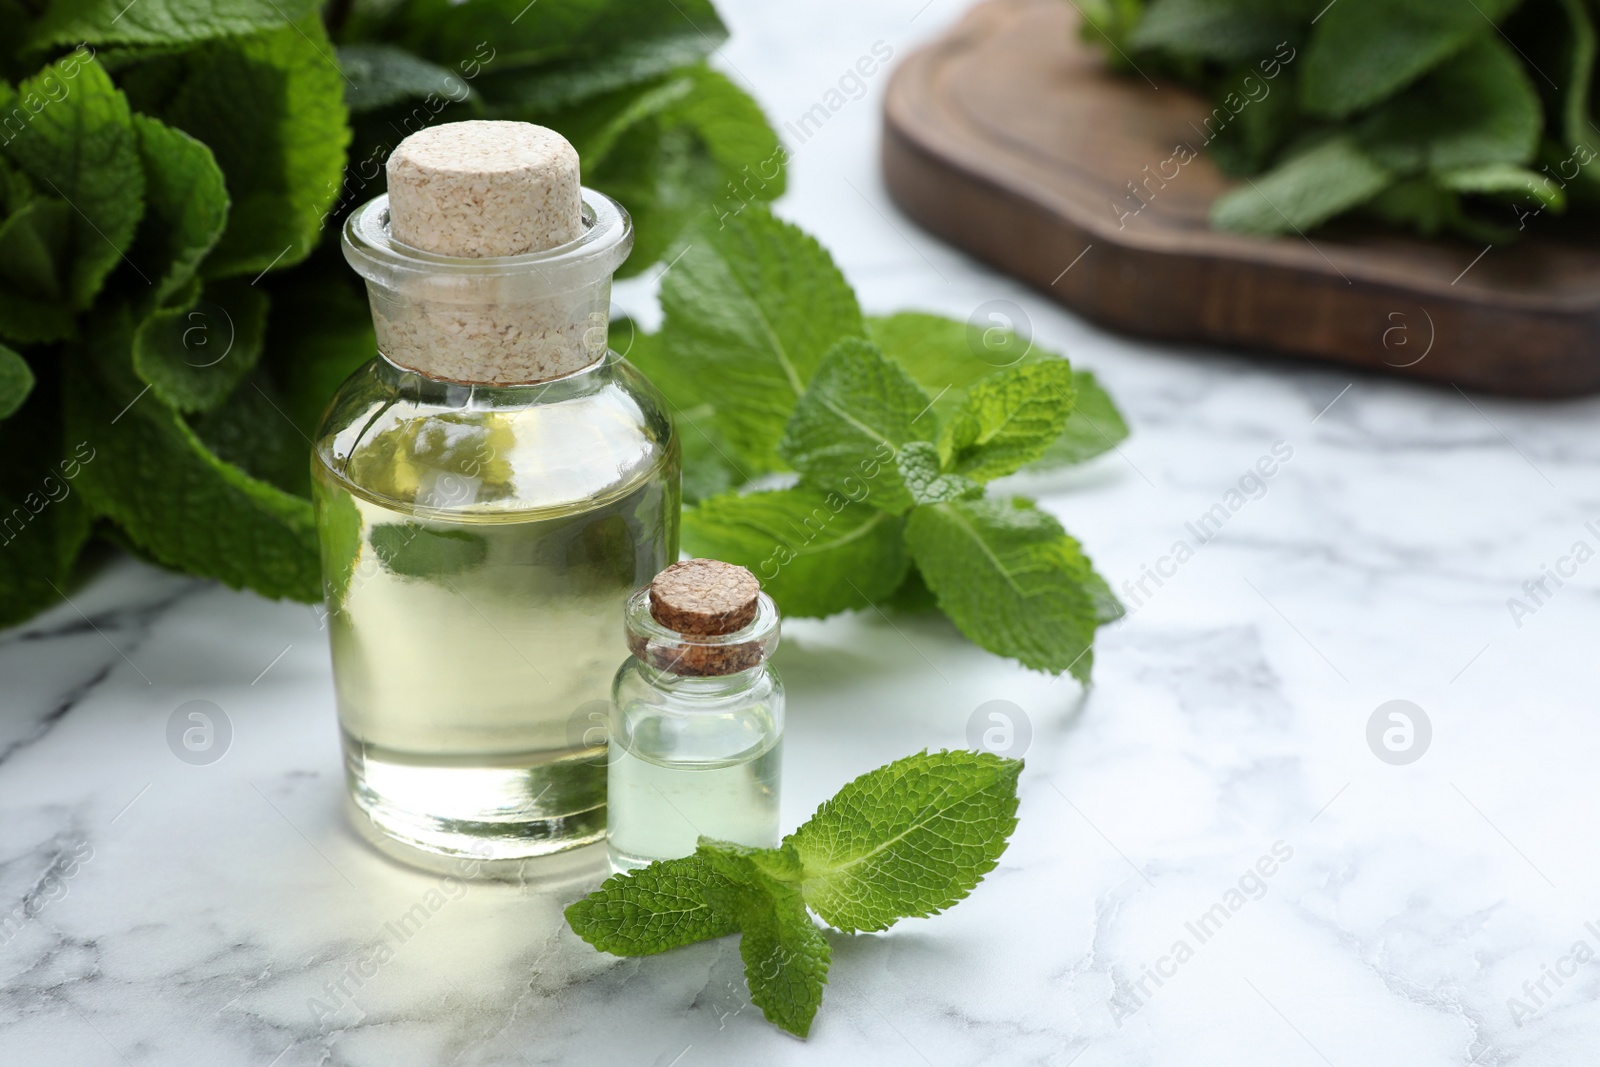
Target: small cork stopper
704,597
475,189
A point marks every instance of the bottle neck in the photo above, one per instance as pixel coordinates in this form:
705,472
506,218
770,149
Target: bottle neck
472,337
714,687
423,389
506,321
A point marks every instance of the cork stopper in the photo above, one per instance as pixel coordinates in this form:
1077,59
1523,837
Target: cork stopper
702,618
705,597
475,189
487,263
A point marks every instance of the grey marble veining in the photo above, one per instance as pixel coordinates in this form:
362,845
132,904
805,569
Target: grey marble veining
1442,912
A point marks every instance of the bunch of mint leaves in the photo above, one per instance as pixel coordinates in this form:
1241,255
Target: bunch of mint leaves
174,310
175,313
906,840
893,426
1464,116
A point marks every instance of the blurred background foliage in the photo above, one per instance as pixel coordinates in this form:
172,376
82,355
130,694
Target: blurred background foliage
1466,117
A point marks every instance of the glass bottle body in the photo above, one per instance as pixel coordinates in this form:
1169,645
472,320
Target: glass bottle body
479,544
693,756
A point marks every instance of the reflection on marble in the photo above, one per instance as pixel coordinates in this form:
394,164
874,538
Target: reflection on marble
158,912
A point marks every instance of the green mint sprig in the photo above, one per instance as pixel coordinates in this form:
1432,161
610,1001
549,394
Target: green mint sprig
906,840
894,427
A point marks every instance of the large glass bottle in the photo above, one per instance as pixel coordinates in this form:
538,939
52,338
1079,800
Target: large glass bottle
479,544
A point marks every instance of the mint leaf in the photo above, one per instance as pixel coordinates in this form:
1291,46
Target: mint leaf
598,125
1007,420
251,431
319,333
752,306
923,475
169,491
1011,579
546,55
1095,426
943,356
785,959
816,553
35,252
26,320
1110,22
1420,202
913,597
909,839
858,410
736,135
723,888
1505,180
1362,51
707,470
659,40
161,22
1479,107
1252,139
82,148
1566,48
647,353
563,84
43,521
16,382
660,907
1304,191
186,206
1107,608
947,357
785,956
35,261
270,107
1434,202
1227,30
192,357
378,75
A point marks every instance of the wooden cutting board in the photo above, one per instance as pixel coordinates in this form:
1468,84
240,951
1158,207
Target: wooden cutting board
1009,138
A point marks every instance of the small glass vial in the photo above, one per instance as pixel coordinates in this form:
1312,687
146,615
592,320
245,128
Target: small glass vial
696,727
489,491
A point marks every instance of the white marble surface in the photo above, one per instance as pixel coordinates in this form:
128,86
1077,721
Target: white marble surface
180,914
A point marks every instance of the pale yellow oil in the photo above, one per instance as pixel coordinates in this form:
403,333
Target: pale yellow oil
476,566
473,660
